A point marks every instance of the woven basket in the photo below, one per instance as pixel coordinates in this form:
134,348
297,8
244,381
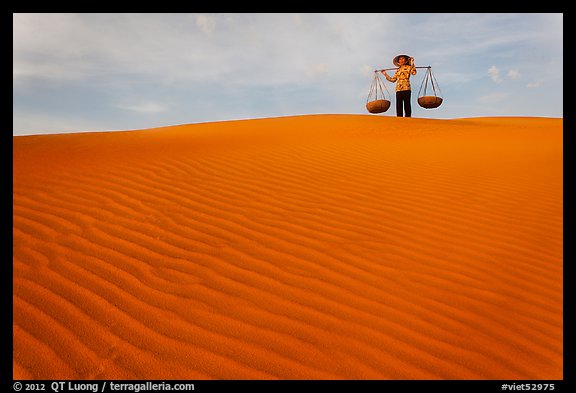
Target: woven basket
378,106
429,102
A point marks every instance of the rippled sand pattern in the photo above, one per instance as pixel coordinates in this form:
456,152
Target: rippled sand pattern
306,247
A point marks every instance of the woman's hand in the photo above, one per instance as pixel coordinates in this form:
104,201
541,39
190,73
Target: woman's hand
384,72
411,61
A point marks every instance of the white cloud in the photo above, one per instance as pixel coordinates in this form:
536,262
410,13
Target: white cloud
367,71
533,85
492,98
206,24
297,19
29,123
246,49
144,107
494,73
318,69
513,74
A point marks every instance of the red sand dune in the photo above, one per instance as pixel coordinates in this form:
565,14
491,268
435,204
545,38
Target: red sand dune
306,247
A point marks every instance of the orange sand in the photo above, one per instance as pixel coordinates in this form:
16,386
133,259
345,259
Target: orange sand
306,247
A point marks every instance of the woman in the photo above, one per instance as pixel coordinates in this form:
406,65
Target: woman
406,68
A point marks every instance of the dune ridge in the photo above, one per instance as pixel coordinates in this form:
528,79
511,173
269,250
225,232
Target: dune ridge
304,247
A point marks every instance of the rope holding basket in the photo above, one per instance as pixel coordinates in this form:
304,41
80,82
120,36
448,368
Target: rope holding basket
430,101
377,101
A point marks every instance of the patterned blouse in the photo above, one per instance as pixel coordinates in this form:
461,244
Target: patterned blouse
402,75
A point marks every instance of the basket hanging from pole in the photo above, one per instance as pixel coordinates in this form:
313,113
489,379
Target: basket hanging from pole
377,101
429,83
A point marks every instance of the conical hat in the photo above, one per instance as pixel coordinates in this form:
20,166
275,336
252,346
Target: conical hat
395,61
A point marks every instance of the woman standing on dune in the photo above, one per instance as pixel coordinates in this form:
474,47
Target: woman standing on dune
406,68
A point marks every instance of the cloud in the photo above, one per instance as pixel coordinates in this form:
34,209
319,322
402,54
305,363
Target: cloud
206,24
30,123
318,69
494,73
533,85
247,49
367,71
492,98
513,74
144,107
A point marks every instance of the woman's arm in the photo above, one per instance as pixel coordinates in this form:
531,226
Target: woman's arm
390,79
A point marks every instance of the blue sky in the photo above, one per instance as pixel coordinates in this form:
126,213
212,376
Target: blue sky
104,72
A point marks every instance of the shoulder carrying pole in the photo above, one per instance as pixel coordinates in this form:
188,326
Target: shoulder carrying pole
389,69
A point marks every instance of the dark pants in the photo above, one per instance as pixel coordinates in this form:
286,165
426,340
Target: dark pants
403,98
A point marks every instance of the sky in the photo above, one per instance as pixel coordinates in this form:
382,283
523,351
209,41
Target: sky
109,72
